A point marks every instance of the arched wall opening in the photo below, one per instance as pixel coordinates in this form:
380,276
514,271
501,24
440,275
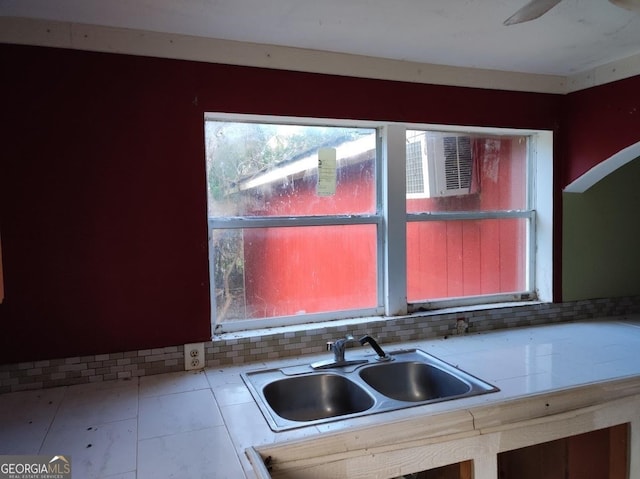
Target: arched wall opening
601,170
599,239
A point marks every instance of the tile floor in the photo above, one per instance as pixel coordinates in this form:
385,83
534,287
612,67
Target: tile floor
154,427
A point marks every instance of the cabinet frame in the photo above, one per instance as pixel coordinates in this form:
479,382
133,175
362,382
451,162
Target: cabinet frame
422,442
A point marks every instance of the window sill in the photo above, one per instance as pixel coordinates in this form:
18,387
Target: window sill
339,326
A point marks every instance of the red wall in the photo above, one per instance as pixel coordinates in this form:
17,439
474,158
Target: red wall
102,183
600,121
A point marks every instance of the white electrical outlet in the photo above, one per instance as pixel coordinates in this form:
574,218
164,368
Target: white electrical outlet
193,356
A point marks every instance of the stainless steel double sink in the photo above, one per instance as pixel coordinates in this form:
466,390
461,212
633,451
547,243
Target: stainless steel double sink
299,396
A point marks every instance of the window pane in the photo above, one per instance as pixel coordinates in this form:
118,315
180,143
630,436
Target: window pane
449,259
272,170
461,172
266,272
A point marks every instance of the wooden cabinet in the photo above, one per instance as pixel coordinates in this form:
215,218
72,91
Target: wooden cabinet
601,454
592,432
461,470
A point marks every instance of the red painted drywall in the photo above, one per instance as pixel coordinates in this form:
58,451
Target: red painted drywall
102,205
102,183
600,121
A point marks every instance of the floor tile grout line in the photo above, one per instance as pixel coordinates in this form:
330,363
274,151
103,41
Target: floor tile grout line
174,393
53,418
213,397
184,432
137,430
177,374
225,424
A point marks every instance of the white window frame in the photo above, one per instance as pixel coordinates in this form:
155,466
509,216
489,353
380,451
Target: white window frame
391,220
424,166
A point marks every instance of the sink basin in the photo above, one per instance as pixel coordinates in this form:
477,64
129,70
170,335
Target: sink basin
316,396
298,396
413,381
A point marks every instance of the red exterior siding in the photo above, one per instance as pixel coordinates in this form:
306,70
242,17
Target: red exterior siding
318,269
463,258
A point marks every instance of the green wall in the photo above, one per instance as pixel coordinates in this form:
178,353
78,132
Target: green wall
601,237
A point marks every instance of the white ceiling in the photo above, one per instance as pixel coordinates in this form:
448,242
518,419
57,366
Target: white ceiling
575,36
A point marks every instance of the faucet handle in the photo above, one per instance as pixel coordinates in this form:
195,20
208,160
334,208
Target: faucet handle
340,343
382,356
338,348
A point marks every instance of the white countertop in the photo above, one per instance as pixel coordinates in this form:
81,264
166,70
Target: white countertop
520,361
200,423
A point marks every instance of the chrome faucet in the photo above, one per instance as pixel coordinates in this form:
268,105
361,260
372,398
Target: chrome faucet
338,347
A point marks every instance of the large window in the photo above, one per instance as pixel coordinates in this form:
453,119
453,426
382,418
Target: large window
294,220
313,220
468,232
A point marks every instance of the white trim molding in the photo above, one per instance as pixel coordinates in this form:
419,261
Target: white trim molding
607,73
137,42
27,31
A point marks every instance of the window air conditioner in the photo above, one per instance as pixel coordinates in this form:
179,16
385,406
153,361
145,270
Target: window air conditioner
438,164
450,164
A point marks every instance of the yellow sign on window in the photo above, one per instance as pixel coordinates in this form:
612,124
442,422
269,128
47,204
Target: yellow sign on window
327,168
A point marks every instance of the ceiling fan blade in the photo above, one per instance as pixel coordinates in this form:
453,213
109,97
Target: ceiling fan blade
533,10
632,5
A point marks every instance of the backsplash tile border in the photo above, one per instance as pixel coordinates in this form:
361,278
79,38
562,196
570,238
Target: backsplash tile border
239,349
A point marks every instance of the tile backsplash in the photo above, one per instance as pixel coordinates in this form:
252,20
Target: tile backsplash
241,348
